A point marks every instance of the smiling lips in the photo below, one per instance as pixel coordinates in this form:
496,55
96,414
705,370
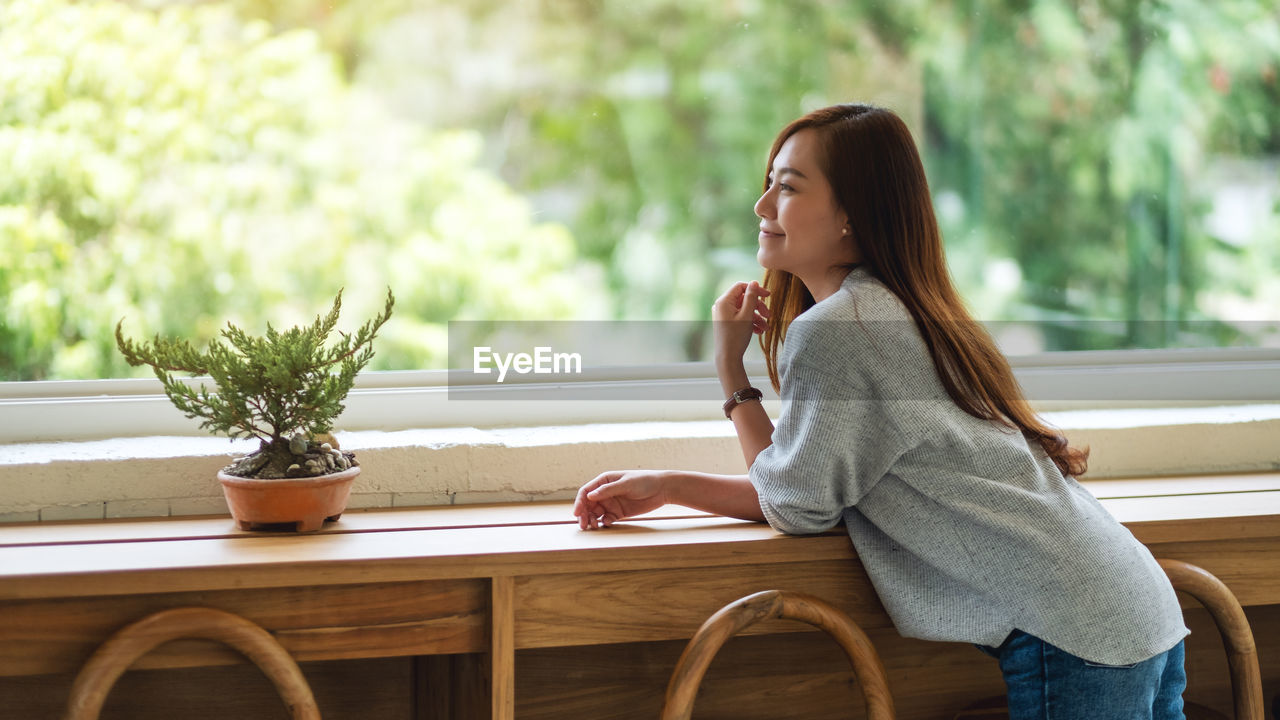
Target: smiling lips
768,233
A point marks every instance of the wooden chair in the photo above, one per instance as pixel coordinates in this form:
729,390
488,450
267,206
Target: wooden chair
1242,653
770,604
122,649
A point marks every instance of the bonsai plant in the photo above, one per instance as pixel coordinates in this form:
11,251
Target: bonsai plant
283,388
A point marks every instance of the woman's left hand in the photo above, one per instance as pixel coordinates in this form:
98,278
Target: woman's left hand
738,313
619,494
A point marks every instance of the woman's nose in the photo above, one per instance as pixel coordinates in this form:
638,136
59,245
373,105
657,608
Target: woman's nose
764,206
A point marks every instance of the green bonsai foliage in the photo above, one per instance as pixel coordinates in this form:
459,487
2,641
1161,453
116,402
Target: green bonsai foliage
284,388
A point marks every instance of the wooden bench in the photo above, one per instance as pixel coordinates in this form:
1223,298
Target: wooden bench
449,597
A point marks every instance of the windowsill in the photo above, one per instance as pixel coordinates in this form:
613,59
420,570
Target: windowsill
679,392
163,476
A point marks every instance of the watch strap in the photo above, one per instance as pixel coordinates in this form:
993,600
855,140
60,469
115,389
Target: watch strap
738,397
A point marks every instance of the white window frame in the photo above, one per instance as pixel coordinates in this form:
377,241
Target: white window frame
96,409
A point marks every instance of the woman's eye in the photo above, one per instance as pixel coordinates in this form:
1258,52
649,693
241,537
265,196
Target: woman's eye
781,186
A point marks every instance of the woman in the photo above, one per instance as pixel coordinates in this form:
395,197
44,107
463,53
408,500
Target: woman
901,418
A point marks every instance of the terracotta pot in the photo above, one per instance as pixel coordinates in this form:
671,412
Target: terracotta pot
305,503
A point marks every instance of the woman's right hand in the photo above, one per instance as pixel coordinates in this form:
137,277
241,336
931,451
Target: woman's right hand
619,494
737,314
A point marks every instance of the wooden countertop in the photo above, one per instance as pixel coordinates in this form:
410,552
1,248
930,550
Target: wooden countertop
80,559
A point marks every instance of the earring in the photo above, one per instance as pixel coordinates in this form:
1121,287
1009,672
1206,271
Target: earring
844,231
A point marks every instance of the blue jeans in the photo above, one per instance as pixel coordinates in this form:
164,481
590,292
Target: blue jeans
1046,682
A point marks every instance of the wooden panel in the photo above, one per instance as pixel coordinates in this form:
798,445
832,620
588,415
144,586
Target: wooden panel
1204,530
1251,568
343,621
344,690
502,650
378,592
927,679
786,675
801,675
471,697
100,569
453,686
353,521
1265,622
432,683
1183,485
806,675
591,608
510,514
1198,517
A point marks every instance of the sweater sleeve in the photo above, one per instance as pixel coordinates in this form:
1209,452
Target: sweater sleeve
833,442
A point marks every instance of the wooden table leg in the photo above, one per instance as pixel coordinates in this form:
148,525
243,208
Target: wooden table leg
502,649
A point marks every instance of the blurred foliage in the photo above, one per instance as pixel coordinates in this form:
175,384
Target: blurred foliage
507,160
186,167
1077,149
1077,137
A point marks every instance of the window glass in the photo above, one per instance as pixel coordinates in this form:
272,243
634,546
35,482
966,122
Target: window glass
1105,173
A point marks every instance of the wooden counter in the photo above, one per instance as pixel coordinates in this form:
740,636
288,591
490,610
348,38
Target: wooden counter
474,586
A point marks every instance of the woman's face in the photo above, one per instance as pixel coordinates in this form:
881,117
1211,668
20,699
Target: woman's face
803,231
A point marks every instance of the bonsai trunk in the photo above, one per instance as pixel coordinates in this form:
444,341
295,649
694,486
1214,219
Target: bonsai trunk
292,457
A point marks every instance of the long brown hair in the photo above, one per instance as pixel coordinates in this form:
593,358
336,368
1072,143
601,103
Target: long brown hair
876,175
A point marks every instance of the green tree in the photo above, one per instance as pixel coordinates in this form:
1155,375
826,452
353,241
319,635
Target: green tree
643,125
1065,141
184,167
1069,147
1075,135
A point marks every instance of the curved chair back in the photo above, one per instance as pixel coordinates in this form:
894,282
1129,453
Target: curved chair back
1242,653
742,613
122,649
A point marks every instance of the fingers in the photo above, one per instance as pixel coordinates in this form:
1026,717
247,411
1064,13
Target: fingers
599,516
753,304
760,319
599,480
733,296
607,490
609,513
620,494
588,506
584,508
763,308
742,301
605,507
755,295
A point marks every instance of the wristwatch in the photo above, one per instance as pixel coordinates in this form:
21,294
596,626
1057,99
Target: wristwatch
740,396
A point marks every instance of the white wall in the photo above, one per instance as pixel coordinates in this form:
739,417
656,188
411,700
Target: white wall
162,476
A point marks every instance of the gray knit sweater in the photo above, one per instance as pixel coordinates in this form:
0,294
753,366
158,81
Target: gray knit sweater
966,530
